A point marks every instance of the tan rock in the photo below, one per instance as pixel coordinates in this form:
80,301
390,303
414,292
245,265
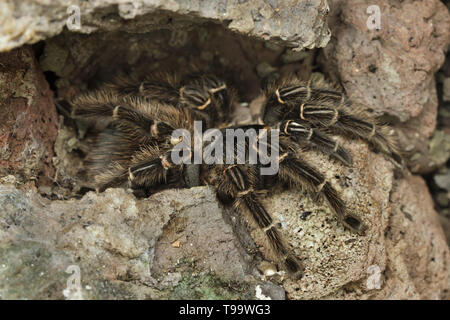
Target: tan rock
183,243
124,246
404,254
28,123
390,70
119,247
301,24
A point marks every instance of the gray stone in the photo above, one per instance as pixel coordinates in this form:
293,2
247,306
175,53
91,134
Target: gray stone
443,180
183,244
299,24
391,70
121,247
446,90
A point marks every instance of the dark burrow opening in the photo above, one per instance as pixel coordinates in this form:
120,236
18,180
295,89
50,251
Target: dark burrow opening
438,180
74,63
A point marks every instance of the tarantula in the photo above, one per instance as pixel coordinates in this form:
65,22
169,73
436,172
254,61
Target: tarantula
134,146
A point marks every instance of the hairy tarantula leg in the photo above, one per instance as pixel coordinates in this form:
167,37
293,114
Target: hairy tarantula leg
125,116
239,186
148,168
208,96
343,122
133,117
114,176
103,105
147,173
199,92
378,135
161,87
326,108
299,173
302,132
304,92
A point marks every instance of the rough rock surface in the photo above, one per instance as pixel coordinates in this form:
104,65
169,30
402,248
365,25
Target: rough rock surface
300,24
391,70
183,244
28,120
124,248
403,228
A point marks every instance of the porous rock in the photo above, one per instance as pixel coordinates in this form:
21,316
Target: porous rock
389,67
300,24
28,125
403,255
184,244
121,247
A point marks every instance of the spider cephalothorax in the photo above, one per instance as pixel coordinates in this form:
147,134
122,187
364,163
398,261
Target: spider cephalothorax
135,148
208,97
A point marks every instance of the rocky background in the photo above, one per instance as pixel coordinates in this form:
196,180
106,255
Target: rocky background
183,243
